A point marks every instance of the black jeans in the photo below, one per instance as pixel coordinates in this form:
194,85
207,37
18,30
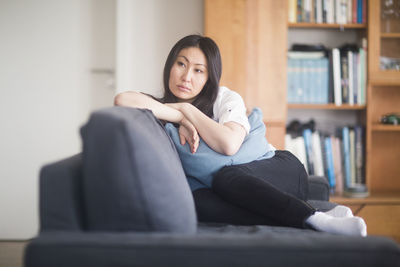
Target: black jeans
250,194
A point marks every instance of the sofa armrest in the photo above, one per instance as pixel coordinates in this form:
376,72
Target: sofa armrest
318,188
60,200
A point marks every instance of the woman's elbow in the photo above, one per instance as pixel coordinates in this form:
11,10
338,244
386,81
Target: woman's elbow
125,99
119,99
230,149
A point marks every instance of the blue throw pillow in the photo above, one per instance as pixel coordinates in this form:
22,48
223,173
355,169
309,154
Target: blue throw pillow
201,166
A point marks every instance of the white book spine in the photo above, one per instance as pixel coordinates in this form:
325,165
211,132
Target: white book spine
316,146
336,77
350,83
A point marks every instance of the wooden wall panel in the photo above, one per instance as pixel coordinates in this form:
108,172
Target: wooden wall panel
382,220
225,23
252,37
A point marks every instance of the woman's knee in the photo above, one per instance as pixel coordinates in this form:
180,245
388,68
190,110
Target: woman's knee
225,176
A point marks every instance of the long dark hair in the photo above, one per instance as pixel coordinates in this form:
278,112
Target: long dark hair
205,100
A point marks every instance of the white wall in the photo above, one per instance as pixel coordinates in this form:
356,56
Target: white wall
147,30
47,51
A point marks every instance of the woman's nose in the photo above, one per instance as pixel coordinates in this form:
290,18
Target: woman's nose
186,76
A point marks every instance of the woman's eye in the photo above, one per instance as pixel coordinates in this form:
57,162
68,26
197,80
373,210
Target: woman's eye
199,70
181,64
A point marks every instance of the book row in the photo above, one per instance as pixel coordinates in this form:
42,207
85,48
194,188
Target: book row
328,11
336,76
340,158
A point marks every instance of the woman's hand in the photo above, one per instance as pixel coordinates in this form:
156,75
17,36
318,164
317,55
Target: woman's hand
188,133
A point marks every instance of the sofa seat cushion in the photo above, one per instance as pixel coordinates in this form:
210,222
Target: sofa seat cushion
213,245
132,176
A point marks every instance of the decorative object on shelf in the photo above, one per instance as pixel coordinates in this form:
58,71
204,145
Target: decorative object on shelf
392,118
387,63
356,191
390,12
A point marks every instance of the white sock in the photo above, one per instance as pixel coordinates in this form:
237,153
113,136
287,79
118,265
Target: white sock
335,225
340,211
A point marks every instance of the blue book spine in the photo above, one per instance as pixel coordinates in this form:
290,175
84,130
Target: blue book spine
325,80
299,11
329,162
346,156
309,154
359,11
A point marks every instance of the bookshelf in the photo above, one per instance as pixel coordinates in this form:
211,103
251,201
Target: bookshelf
327,106
326,25
253,37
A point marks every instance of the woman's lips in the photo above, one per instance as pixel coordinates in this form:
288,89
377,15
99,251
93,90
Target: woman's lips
183,88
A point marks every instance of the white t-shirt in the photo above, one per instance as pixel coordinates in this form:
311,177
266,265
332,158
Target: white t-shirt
229,106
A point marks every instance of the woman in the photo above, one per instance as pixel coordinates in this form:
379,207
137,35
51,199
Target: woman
194,101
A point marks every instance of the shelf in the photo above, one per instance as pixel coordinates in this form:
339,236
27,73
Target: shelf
326,26
326,106
385,127
386,78
375,198
390,35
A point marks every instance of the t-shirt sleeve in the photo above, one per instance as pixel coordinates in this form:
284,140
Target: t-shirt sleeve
230,107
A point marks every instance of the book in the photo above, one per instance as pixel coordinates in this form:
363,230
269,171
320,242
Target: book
296,147
354,11
330,173
317,154
355,78
337,164
344,76
359,11
306,54
307,10
292,11
352,140
330,18
308,148
337,76
346,156
359,155
350,77
299,11
331,98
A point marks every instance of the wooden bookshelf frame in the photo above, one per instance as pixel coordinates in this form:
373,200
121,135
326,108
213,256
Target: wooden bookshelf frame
326,25
327,106
385,127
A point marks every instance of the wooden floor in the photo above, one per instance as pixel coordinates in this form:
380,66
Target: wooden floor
11,253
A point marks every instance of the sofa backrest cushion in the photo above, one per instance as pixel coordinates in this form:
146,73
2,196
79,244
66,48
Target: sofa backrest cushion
133,178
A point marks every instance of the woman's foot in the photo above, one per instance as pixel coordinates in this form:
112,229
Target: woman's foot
338,225
340,211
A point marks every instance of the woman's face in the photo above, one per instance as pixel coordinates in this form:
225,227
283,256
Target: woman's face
189,74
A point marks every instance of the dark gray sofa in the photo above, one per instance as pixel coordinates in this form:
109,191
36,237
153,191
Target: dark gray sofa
65,238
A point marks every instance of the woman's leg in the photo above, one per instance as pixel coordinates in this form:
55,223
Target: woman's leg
238,186
210,207
284,171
